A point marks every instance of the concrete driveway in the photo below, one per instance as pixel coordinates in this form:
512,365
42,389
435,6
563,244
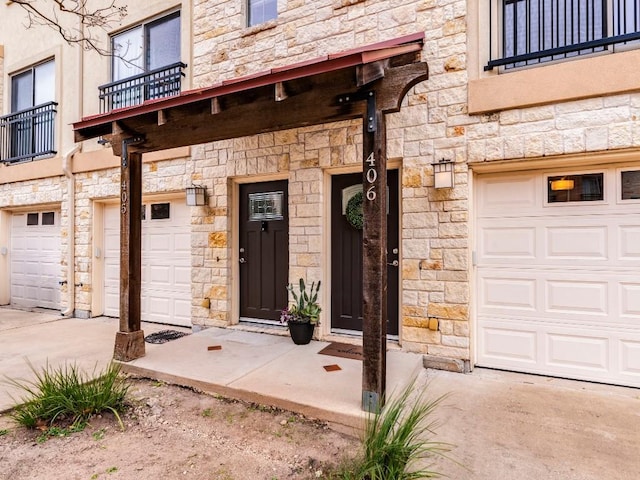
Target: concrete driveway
505,426
38,338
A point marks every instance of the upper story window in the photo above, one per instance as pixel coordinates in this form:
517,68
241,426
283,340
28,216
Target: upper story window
28,131
146,47
146,64
536,31
261,11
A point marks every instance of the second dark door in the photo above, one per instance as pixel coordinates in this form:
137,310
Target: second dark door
346,255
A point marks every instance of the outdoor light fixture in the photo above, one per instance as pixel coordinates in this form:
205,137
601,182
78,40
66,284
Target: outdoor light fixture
443,173
196,195
562,184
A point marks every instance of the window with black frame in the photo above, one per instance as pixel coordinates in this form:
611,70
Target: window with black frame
537,31
145,64
27,133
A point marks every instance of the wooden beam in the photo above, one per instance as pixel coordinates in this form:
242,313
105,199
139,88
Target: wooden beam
374,263
129,343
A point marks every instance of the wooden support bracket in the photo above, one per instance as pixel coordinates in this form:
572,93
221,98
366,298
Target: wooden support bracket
162,117
215,106
281,92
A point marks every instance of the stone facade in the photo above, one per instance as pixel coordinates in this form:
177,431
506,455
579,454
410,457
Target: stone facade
434,224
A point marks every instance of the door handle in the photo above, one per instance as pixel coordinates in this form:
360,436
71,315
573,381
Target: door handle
242,260
394,263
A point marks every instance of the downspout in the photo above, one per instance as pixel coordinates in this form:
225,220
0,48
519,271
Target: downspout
67,169
71,207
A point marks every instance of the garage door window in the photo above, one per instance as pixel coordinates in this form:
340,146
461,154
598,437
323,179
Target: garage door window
587,187
630,181
48,218
159,211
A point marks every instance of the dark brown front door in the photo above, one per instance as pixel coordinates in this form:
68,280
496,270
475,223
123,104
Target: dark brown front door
264,250
346,256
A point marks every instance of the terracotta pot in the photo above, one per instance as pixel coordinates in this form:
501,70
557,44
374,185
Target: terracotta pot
301,332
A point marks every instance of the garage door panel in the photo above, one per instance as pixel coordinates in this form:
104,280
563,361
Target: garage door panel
575,296
508,293
182,244
164,293
501,342
629,243
159,275
630,358
157,242
571,351
509,242
509,193
630,300
577,242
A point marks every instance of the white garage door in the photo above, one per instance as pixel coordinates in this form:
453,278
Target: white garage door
166,263
558,273
35,259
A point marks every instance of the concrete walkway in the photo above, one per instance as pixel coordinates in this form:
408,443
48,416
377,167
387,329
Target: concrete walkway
505,425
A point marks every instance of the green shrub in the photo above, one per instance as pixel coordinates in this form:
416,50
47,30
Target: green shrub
66,395
397,441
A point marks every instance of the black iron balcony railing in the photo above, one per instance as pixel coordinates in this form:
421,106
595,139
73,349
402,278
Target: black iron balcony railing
536,31
162,82
28,134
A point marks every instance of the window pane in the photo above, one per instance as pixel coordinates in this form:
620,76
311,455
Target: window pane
22,91
45,83
262,10
159,211
631,185
48,218
32,219
128,58
163,42
588,187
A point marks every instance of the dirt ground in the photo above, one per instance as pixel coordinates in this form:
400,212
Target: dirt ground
172,433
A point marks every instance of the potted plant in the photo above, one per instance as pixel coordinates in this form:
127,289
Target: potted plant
303,314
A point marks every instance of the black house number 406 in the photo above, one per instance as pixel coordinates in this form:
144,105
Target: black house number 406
372,176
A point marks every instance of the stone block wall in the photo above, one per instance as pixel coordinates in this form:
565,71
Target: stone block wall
434,224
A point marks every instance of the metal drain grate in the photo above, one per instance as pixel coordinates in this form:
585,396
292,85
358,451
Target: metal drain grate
164,336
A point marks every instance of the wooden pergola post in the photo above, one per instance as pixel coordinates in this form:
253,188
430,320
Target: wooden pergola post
374,262
129,343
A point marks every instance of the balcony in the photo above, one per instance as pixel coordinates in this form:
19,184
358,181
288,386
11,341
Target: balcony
28,134
159,83
537,31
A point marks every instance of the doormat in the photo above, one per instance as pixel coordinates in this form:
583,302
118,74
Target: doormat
164,336
343,350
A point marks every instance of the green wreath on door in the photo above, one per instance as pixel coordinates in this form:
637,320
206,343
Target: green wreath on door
354,211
